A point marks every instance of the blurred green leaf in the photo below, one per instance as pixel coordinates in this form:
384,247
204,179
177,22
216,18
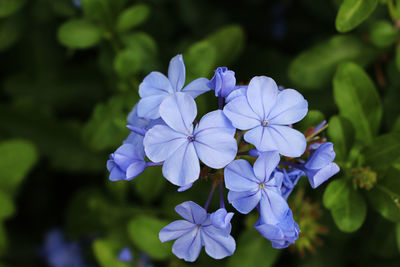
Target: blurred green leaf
383,152
128,62
383,33
353,12
18,157
341,133
3,238
7,207
253,250
397,57
10,32
79,34
150,183
9,7
309,71
358,100
347,206
131,17
200,60
313,118
385,196
106,254
398,236
143,231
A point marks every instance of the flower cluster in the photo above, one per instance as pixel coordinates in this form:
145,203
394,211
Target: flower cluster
260,117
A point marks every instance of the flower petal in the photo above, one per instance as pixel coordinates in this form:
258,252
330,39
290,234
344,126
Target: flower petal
196,87
116,173
155,84
217,244
259,137
244,202
266,164
239,176
318,177
321,157
262,94
161,141
135,169
237,91
148,107
175,230
290,108
179,111
240,114
191,212
188,246
176,72
273,207
182,167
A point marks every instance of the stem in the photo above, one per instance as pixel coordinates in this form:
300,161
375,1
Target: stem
244,153
151,164
221,196
210,195
316,133
220,102
137,130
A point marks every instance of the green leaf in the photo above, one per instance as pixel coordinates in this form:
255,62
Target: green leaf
128,62
150,183
106,254
7,207
347,206
358,100
398,57
383,33
17,158
353,12
313,118
10,32
9,7
308,71
341,133
385,196
253,250
3,238
79,34
398,236
200,60
383,152
143,231
132,17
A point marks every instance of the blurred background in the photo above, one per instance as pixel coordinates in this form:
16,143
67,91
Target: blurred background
69,76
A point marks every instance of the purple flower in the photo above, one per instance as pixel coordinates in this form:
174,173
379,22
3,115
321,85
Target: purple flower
266,112
196,231
222,219
180,146
258,185
290,180
320,166
156,87
126,162
281,234
125,255
59,253
223,82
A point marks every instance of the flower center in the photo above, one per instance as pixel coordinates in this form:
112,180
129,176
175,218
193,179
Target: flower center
190,138
261,186
264,123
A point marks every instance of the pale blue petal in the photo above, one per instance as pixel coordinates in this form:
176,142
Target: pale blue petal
317,177
244,202
238,91
275,181
196,87
161,141
239,176
273,207
266,164
221,218
217,244
191,212
321,157
260,138
155,84
175,230
290,108
185,187
126,154
261,95
182,167
135,169
240,114
148,107
215,120
188,246
179,111
116,174
176,72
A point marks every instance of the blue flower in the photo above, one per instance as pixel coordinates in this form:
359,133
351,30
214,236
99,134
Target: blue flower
238,91
259,185
320,166
212,141
290,180
156,87
194,232
266,112
126,162
223,82
281,234
125,255
59,253
222,219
